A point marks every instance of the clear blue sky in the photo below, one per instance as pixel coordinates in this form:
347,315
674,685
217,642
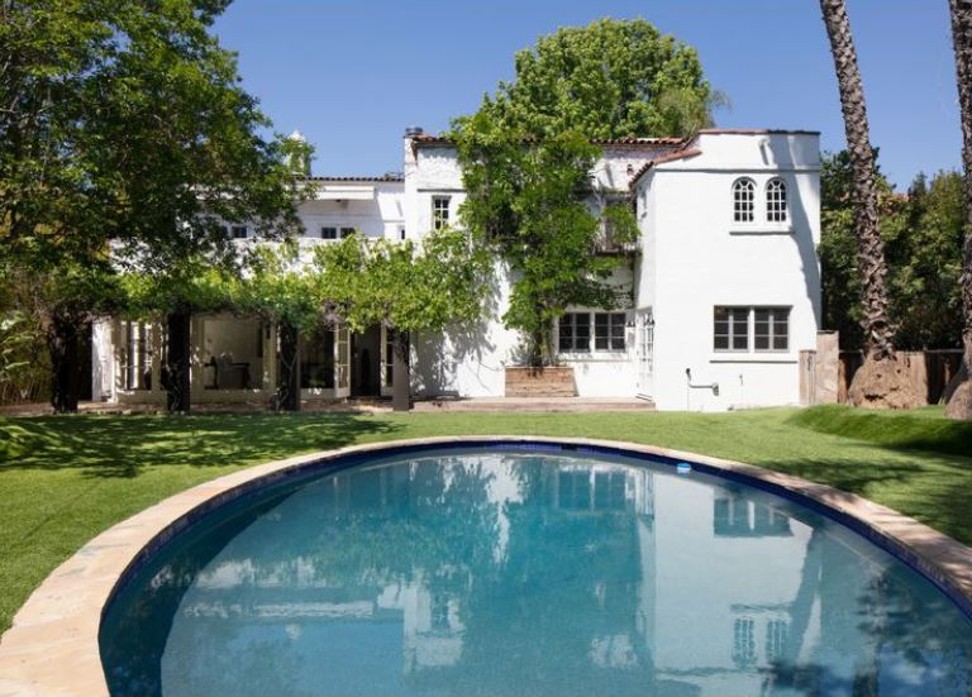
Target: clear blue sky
351,75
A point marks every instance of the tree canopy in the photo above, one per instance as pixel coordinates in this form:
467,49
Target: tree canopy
922,232
125,121
125,138
610,79
527,157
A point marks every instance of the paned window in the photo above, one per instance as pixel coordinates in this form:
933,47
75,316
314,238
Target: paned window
440,212
575,331
744,201
329,233
776,201
239,232
730,329
744,641
771,328
609,331
346,232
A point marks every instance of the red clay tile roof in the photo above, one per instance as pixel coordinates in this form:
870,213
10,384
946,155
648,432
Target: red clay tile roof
377,180
667,157
427,139
757,131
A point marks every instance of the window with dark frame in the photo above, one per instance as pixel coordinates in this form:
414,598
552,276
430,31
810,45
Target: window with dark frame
575,331
329,233
239,232
771,328
609,331
440,212
346,232
731,328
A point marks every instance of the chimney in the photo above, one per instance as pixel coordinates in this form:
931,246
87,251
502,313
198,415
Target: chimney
413,131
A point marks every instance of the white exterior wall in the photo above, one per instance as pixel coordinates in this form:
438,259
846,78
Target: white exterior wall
382,214
699,258
693,258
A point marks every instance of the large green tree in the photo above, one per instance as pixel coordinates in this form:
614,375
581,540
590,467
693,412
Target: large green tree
527,157
280,289
610,79
124,123
922,232
882,380
960,405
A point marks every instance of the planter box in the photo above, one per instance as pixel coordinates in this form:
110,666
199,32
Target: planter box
552,381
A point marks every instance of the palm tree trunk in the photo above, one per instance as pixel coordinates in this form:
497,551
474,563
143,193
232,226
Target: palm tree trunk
881,381
870,247
960,405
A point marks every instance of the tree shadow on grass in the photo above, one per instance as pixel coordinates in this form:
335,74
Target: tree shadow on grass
113,446
932,490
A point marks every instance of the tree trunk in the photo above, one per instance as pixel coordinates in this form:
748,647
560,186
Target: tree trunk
888,379
62,342
401,379
288,391
177,362
960,405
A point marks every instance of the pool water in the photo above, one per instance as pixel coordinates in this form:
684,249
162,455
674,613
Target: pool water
528,572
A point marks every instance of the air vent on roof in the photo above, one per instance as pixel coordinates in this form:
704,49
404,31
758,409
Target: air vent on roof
412,131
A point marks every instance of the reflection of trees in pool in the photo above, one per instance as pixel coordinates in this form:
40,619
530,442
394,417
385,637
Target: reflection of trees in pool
867,636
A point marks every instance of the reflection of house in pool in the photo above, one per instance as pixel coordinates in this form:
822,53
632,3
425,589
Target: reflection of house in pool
499,571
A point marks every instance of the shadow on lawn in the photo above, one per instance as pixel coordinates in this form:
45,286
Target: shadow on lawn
932,494
112,446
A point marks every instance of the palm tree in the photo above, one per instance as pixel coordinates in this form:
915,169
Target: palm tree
960,404
882,380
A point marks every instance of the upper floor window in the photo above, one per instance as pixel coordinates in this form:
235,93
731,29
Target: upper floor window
744,201
238,232
440,212
776,201
346,232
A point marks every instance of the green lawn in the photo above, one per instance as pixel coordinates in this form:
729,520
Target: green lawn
64,479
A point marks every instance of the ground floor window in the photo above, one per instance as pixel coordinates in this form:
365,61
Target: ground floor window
750,328
574,331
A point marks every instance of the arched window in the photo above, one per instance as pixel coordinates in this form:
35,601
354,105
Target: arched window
776,201
744,201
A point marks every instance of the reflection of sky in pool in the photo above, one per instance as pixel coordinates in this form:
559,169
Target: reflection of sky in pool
530,573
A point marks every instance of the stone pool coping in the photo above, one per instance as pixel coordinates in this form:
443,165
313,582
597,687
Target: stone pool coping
52,648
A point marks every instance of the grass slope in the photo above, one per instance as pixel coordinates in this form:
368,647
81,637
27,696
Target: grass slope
64,479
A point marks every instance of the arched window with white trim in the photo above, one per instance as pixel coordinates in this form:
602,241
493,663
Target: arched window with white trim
744,201
776,205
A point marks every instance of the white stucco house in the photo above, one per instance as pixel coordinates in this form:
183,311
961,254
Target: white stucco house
724,286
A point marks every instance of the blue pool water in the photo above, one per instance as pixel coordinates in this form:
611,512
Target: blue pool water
512,571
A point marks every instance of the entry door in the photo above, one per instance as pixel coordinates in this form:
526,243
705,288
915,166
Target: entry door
645,351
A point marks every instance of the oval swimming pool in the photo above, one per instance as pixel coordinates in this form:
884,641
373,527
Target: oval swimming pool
527,570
